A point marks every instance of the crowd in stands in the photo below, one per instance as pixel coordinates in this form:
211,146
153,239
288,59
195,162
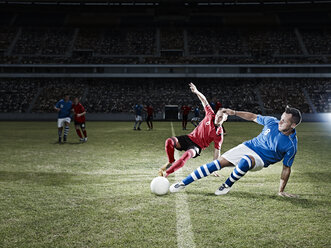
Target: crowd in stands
138,46
16,95
119,95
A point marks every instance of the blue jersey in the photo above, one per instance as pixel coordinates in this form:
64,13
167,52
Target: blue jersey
196,112
138,109
271,144
64,107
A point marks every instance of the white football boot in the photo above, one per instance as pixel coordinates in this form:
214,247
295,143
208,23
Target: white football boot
223,190
176,187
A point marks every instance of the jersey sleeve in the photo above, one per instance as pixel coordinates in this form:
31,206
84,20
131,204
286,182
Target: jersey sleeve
265,120
82,109
289,157
57,104
209,110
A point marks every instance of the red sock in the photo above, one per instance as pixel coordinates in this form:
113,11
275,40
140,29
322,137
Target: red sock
180,162
79,133
85,134
170,149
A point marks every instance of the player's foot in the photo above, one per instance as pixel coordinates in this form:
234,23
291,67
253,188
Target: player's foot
224,189
164,168
60,140
81,139
85,139
64,139
176,187
138,129
134,129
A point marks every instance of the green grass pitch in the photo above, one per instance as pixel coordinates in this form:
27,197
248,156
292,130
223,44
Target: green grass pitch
97,194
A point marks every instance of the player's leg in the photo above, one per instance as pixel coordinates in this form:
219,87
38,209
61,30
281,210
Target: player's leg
66,131
170,145
245,164
151,122
77,127
59,129
139,122
203,171
148,124
83,127
181,162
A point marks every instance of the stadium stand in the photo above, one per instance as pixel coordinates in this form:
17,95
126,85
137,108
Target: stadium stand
119,95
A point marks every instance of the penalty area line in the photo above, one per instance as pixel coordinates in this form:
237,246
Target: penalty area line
184,226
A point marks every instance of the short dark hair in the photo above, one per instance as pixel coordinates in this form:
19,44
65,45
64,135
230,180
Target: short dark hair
296,114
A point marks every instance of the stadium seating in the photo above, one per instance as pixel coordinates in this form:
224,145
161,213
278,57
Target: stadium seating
119,95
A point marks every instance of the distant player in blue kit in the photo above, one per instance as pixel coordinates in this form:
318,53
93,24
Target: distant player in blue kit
276,142
196,119
63,107
138,108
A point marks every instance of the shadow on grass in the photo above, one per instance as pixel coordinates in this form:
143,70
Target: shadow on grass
67,143
52,178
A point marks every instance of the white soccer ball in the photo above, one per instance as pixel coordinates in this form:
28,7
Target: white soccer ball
160,185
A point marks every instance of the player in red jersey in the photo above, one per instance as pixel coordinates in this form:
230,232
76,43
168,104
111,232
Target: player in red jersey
185,111
80,113
149,119
209,130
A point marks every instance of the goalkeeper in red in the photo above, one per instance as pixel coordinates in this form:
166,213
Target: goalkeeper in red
209,130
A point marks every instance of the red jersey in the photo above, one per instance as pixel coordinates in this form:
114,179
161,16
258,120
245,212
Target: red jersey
206,131
150,110
78,110
186,109
218,106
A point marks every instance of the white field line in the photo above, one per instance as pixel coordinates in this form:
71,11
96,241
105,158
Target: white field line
184,226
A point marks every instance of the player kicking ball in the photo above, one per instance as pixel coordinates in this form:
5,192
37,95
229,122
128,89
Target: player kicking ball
276,142
209,130
80,113
63,107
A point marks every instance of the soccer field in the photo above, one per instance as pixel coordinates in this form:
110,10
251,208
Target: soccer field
97,194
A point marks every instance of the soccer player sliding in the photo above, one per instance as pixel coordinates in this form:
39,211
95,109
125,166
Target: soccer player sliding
276,142
209,130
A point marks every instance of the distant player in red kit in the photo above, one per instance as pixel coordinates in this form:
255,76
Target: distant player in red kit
79,112
209,130
149,119
185,110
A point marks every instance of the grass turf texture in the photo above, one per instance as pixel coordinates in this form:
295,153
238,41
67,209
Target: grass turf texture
97,194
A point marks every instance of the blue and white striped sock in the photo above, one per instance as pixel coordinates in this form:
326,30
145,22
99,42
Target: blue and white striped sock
66,131
241,169
202,171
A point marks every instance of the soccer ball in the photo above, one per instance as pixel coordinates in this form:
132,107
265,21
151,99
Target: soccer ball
160,186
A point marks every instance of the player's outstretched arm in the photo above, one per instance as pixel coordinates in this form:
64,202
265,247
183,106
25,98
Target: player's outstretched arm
202,98
248,116
286,172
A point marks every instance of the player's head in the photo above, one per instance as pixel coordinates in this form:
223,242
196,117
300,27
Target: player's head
76,100
220,117
289,119
66,97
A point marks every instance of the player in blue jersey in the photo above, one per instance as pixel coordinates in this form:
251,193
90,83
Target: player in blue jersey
138,108
276,142
196,119
63,107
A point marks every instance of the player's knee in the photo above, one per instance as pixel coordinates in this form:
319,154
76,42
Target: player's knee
246,163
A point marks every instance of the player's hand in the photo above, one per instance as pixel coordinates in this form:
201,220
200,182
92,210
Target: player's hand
228,111
284,194
193,88
79,115
215,174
